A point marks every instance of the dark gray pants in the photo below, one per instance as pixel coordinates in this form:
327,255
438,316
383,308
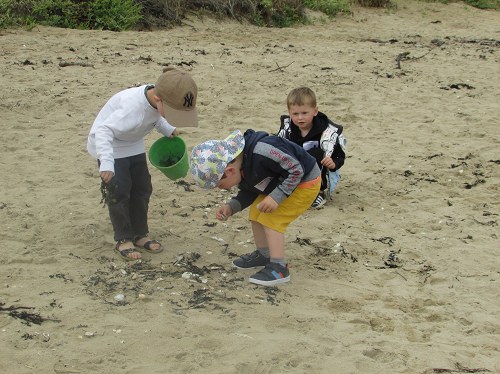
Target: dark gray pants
128,197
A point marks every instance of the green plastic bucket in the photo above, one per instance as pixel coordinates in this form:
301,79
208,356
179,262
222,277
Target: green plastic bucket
169,155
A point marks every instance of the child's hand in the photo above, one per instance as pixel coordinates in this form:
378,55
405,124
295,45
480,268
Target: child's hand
328,162
106,176
267,205
224,212
174,133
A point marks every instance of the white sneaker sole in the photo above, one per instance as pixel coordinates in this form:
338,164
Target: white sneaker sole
269,283
320,205
254,267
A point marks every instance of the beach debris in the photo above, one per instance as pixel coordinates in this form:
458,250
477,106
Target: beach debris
379,41
188,275
477,182
194,277
485,42
44,336
405,56
425,272
61,276
401,57
186,259
186,185
386,240
324,251
281,68
146,59
27,62
437,42
64,64
461,369
29,318
271,293
217,292
457,86
392,260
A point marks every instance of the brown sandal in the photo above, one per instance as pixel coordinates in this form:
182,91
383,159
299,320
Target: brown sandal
147,246
124,253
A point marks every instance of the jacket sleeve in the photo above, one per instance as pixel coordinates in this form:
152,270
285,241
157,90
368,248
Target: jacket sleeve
338,156
284,165
164,128
242,200
104,148
333,143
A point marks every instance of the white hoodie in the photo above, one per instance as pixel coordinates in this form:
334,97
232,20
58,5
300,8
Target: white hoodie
121,125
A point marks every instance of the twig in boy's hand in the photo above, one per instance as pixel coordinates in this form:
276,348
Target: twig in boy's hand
104,198
106,194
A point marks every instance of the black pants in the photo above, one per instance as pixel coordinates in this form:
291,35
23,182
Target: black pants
128,197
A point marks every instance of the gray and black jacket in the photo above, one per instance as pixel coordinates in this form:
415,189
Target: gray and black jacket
271,166
324,139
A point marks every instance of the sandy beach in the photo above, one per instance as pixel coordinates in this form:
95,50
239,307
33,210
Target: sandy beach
396,274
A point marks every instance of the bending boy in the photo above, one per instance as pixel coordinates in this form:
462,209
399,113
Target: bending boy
276,178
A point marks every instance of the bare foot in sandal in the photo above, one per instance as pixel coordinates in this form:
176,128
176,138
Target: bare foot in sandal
127,251
150,245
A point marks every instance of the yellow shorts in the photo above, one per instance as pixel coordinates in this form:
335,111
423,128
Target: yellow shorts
293,206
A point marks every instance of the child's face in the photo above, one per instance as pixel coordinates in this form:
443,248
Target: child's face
230,178
303,115
159,106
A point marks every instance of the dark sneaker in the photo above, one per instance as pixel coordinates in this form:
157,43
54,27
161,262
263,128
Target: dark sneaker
319,201
251,260
271,275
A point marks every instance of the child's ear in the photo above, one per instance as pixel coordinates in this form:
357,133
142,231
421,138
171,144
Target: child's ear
316,110
156,99
230,170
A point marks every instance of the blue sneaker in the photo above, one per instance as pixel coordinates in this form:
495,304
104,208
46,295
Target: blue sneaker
251,260
271,275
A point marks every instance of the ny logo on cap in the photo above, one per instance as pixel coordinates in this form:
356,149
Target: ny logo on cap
188,100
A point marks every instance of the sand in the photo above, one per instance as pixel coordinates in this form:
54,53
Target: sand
399,273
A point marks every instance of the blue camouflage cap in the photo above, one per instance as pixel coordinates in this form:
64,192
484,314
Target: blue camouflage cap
210,158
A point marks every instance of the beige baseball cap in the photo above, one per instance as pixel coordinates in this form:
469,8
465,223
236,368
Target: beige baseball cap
178,91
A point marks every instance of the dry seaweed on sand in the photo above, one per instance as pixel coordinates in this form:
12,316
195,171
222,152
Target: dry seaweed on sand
20,312
192,285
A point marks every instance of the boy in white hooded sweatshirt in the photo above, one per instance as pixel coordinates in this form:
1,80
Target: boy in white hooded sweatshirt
116,140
